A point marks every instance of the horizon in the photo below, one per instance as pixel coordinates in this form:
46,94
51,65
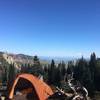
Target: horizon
54,57
55,28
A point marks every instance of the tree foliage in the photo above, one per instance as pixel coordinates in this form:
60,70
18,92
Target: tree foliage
11,76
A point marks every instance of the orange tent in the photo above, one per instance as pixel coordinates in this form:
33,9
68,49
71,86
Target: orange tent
41,88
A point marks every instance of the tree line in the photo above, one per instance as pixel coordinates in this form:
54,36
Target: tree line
87,72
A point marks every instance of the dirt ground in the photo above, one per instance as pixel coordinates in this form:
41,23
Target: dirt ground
20,97
97,96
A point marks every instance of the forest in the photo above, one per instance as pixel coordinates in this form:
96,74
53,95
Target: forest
87,72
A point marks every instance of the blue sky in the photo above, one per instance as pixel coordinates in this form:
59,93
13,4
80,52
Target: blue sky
50,27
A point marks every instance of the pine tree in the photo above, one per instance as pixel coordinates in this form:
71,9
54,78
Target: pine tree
82,73
4,76
63,69
51,73
11,75
70,68
97,75
36,69
36,61
92,66
57,76
45,73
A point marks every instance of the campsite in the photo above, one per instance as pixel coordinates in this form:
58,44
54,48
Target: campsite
29,87
49,49
54,81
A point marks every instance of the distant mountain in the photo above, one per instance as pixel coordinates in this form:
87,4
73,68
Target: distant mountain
19,59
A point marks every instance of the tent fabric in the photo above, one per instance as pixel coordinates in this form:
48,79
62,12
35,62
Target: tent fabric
42,89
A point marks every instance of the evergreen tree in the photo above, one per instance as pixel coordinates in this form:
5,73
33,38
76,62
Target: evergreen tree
97,75
11,75
45,71
4,76
36,69
92,66
63,69
36,61
82,73
51,73
70,68
80,70
57,76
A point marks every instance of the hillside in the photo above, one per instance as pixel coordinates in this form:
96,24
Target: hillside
3,62
18,59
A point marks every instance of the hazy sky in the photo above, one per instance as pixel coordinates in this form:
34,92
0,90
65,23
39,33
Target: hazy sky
50,27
